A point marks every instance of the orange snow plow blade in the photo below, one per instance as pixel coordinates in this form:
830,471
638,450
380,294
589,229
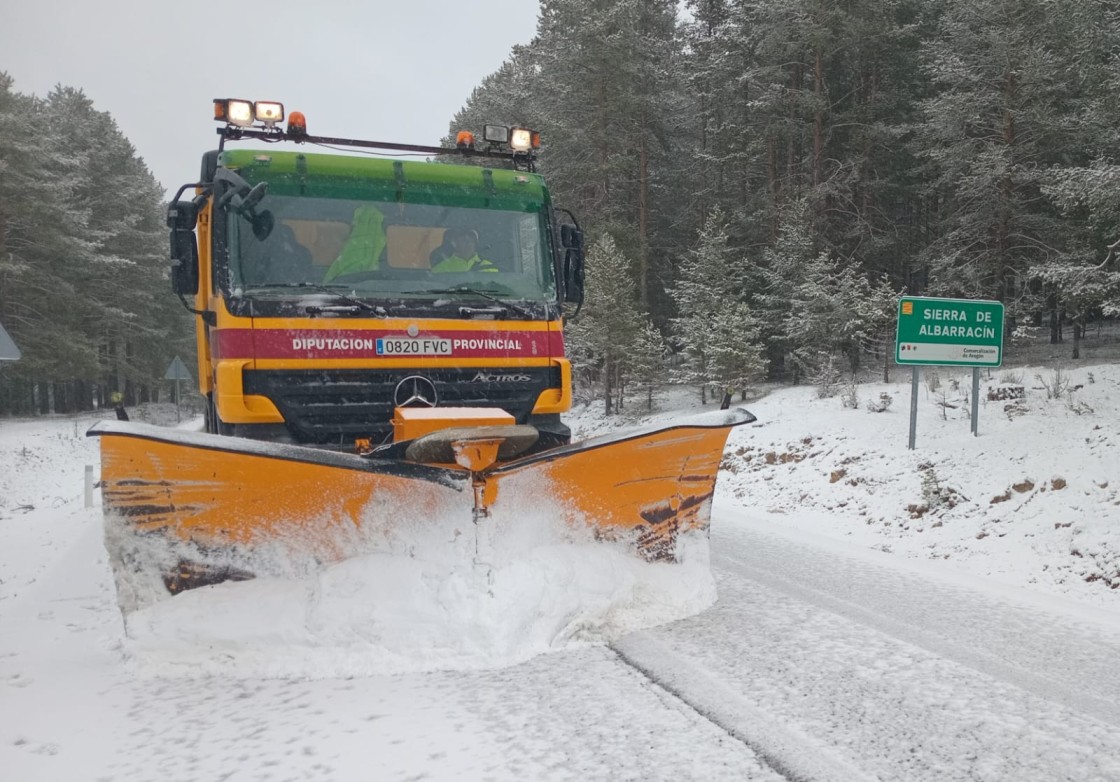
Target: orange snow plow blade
211,496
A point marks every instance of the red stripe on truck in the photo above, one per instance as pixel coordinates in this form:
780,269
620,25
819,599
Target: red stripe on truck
364,343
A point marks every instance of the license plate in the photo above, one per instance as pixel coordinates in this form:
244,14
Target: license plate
408,346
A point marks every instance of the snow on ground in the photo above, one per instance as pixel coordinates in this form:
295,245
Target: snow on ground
215,683
1033,500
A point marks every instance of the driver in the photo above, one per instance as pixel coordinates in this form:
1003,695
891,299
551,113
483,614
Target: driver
363,249
464,256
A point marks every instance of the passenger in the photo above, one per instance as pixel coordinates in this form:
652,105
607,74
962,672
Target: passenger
363,249
464,256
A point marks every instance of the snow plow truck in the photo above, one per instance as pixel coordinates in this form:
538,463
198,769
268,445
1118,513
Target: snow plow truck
377,332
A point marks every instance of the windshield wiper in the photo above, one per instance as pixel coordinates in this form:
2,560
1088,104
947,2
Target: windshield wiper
353,305
489,296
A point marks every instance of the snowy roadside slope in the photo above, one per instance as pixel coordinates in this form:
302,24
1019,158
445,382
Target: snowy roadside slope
41,478
1034,500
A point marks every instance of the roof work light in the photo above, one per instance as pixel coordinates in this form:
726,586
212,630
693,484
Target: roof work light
239,112
243,113
269,112
496,134
519,139
523,139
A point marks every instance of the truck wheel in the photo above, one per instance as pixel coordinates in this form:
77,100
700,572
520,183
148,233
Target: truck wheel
214,424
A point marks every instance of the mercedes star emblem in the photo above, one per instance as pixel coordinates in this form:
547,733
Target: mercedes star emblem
415,391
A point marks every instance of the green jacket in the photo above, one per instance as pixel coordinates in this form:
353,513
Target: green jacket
362,251
454,263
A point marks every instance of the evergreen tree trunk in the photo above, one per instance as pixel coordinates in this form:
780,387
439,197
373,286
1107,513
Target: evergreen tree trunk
643,223
1055,319
818,119
608,389
1004,280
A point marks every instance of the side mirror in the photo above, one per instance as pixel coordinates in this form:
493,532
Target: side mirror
571,238
573,276
184,262
182,214
181,219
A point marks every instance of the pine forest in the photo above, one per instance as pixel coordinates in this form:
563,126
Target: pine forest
758,181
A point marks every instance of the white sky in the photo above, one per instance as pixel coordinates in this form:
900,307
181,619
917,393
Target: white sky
386,71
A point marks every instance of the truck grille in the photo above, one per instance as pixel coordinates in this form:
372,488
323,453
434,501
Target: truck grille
337,406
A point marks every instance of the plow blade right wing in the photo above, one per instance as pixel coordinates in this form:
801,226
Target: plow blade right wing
645,485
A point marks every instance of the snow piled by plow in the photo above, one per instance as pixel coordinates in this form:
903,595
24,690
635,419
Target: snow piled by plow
415,596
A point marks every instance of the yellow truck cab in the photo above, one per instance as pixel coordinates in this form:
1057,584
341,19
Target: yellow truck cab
319,308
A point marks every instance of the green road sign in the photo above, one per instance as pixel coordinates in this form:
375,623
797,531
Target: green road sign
949,332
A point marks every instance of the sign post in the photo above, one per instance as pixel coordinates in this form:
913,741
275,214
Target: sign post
948,332
177,371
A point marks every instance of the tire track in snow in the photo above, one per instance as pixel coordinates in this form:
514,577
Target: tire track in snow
1017,638
789,752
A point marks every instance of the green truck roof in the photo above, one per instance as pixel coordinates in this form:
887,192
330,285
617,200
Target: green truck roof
380,179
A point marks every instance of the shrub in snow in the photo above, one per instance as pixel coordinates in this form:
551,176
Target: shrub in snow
881,404
1006,391
1056,384
826,377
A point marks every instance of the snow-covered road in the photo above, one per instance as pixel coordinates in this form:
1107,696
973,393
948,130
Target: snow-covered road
836,662
820,661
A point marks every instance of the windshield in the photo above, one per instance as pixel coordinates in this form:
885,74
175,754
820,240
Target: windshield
384,250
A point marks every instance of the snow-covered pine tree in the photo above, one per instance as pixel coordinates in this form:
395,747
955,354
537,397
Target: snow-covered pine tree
1081,291
1004,111
647,362
773,281
605,86
715,328
83,272
830,91
735,354
601,342
835,311
48,251
1087,279
129,309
